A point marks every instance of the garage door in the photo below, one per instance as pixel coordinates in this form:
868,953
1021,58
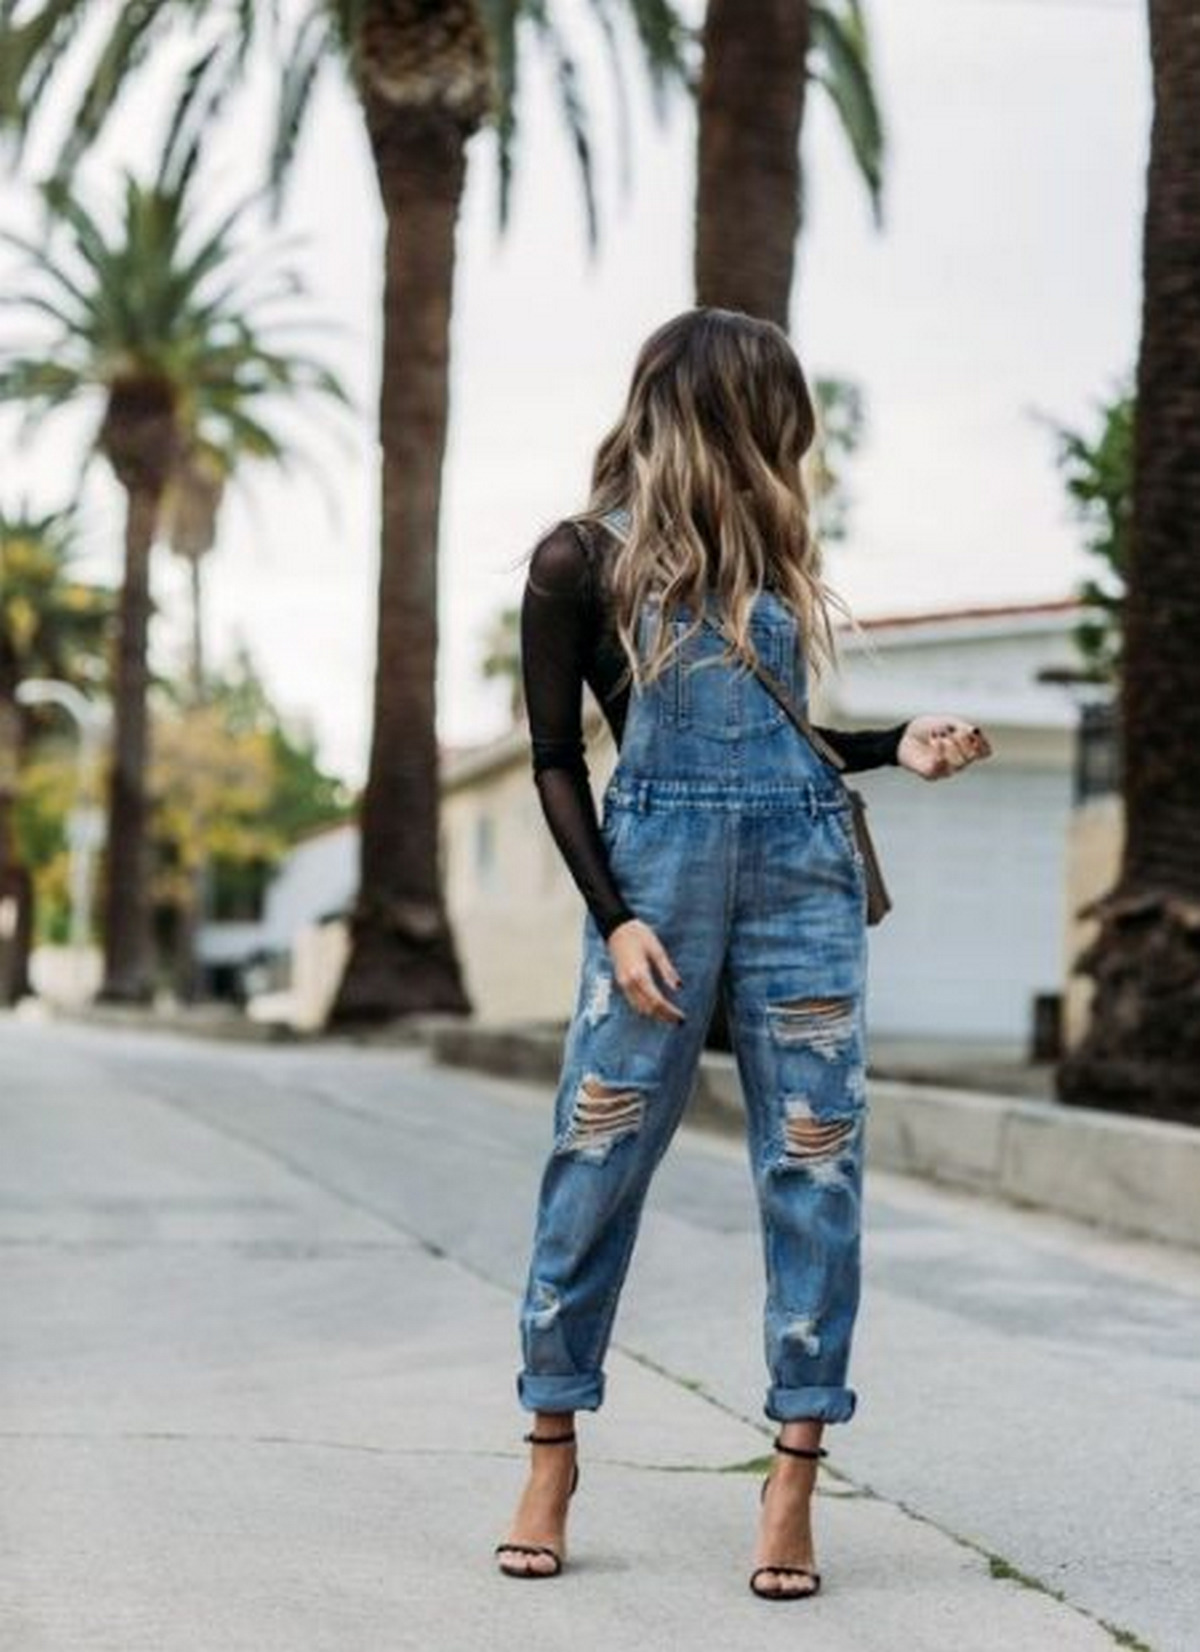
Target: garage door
976,866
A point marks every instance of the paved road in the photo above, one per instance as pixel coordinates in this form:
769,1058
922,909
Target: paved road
257,1383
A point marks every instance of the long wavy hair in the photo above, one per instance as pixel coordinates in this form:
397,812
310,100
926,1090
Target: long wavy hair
707,458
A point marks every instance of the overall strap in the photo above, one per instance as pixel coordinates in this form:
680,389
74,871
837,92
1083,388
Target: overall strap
617,522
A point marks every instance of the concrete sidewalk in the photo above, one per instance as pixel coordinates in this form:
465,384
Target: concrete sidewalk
247,1409
307,1480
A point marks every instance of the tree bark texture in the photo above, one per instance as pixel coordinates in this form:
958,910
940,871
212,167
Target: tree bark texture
402,958
16,886
748,194
1141,1052
127,950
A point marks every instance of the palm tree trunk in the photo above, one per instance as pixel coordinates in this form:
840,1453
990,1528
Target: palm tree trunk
748,189
192,912
196,663
16,886
753,86
1141,1052
402,958
127,965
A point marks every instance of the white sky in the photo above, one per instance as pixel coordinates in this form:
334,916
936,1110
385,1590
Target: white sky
1006,280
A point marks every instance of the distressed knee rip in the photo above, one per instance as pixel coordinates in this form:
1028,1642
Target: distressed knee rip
817,1135
825,1025
810,1140
802,1329
546,1305
602,1113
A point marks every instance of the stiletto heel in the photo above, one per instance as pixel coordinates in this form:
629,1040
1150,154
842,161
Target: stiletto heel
799,1571
539,1548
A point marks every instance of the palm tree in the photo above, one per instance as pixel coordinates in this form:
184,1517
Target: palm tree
427,77
191,516
502,658
1141,1051
191,509
1098,472
759,56
51,625
164,326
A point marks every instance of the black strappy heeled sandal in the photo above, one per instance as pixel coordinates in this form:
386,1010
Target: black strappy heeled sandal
539,1548
799,1571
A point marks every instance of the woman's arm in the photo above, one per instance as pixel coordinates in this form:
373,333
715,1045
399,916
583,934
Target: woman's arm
865,748
556,629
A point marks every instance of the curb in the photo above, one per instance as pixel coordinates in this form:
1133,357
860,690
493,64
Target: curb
230,1027
1133,1176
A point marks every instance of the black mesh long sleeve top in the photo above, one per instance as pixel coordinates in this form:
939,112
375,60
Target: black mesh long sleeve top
568,639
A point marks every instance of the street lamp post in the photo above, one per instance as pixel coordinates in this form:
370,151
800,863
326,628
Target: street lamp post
85,823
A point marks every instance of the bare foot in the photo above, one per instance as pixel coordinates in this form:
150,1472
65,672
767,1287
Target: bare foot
541,1515
785,1529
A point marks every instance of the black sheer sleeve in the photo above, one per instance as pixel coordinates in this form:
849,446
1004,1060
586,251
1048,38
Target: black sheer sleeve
864,748
557,625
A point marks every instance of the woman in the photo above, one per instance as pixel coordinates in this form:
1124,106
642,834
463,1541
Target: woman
725,865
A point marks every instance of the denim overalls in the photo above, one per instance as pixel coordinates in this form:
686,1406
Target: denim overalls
733,839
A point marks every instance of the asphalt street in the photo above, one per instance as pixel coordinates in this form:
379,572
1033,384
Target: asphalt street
258,1384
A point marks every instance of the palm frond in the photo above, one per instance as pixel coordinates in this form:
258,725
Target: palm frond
30,52
40,388
34,379
205,85
310,50
45,268
134,31
345,20
602,9
182,127
204,90
574,111
41,305
253,289
89,240
51,622
32,55
154,297
501,18
840,62
664,39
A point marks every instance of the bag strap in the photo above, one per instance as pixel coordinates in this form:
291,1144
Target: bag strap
615,522
779,693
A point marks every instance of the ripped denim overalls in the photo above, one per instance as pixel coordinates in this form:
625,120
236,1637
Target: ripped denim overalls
732,838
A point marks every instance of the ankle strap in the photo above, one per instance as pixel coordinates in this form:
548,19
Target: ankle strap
800,1451
551,1439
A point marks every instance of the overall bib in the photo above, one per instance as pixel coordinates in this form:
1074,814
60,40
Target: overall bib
733,839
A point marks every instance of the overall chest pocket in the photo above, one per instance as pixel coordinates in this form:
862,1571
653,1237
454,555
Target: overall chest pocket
700,694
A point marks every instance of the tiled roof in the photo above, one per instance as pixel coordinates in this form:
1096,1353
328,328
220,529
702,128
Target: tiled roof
948,616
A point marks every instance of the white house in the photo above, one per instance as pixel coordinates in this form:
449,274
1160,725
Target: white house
315,883
978,863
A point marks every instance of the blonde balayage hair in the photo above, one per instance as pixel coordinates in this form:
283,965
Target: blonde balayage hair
707,458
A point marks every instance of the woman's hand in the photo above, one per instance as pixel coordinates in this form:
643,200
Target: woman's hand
637,953
935,747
